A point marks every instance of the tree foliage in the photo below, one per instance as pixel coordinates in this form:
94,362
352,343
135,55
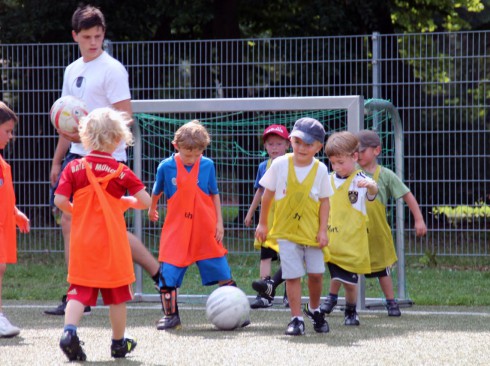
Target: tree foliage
25,21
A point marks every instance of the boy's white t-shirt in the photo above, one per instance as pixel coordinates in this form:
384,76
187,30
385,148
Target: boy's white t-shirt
276,178
360,204
99,83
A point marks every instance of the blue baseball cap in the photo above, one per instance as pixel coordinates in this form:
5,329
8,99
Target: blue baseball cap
309,130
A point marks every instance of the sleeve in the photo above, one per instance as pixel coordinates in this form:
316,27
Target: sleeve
133,183
212,184
159,185
397,188
260,174
117,83
65,184
326,189
269,179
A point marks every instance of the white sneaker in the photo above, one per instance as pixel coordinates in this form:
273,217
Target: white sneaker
7,330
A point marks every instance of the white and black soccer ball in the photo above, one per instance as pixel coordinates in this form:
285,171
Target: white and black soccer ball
227,308
66,113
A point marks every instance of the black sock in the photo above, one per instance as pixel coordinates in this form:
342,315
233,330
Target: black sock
277,278
333,296
118,342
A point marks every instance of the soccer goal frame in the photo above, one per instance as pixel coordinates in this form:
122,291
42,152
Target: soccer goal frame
353,105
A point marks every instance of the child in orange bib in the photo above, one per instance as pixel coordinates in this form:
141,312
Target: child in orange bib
10,216
100,255
193,229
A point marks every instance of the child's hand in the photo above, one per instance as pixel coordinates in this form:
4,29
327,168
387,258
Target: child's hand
248,220
322,238
153,214
22,222
220,232
370,184
420,228
261,233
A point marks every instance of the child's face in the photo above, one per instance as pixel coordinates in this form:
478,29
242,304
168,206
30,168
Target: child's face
189,156
276,146
303,152
344,165
90,42
6,133
368,156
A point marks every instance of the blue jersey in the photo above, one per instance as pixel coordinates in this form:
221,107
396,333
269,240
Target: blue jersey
166,181
260,173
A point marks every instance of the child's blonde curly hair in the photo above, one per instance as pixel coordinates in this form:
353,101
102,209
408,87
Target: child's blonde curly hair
104,128
192,135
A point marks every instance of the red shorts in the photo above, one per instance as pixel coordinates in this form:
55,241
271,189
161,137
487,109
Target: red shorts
88,295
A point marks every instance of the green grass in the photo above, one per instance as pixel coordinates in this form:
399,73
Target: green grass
450,281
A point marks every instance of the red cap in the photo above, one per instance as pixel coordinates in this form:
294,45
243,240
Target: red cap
278,130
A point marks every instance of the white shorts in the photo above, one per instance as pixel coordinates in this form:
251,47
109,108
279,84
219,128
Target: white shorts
297,260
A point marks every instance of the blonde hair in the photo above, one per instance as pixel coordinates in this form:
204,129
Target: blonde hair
105,128
342,143
192,135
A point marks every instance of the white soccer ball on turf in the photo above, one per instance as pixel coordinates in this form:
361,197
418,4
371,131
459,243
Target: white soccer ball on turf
66,113
227,308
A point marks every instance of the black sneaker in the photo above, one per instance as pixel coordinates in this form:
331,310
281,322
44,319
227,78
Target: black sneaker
295,327
393,308
351,318
328,305
318,319
60,309
72,347
121,350
265,288
168,322
261,303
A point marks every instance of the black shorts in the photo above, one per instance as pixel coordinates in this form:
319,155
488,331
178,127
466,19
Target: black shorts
340,274
383,273
268,253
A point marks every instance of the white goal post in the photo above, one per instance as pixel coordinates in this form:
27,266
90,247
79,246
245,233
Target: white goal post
353,105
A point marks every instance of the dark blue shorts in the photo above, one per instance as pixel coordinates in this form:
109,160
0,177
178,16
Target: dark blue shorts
340,274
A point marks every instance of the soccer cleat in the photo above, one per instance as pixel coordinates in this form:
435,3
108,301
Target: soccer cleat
393,308
295,328
318,319
169,322
72,347
7,330
328,305
261,303
351,318
265,288
121,350
60,309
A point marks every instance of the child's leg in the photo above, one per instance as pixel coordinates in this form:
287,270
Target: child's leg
3,268
118,316
350,313
265,267
334,287
315,284
143,257
387,286
293,288
73,312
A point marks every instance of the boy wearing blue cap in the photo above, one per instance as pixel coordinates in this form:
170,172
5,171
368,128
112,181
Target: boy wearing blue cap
300,186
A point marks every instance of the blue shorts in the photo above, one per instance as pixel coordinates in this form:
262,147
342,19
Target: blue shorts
211,270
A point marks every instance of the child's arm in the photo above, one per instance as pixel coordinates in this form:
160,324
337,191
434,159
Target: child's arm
139,201
420,228
63,203
152,211
262,228
323,213
22,221
220,230
253,206
372,187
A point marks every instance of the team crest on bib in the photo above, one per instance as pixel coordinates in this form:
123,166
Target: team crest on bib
353,195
